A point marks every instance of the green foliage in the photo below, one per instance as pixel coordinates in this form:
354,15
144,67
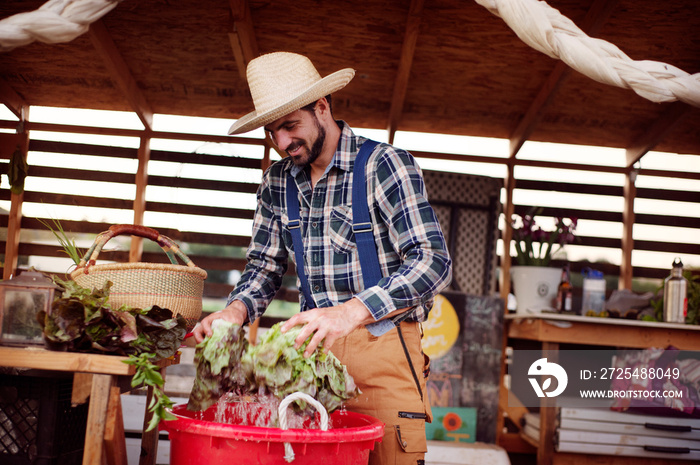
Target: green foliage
67,243
148,374
693,316
227,363
81,320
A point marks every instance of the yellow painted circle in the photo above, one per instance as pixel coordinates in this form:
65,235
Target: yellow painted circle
441,329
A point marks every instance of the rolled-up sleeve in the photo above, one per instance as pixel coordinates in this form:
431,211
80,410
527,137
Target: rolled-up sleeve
397,186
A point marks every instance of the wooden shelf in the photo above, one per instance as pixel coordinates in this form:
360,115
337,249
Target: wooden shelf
632,334
554,329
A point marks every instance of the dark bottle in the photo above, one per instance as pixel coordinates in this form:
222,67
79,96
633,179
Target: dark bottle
565,292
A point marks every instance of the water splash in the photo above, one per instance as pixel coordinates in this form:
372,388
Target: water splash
260,410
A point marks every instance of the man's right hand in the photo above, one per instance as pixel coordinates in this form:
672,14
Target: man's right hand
236,313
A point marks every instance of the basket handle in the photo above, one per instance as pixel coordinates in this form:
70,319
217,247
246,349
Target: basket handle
169,247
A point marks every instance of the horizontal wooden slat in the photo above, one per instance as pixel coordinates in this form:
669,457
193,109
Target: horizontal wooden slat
78,200
615,217
82,149
205,159
81,175
640,218
667,194
568,187
595,189
126,178
185,209
71,227
204,184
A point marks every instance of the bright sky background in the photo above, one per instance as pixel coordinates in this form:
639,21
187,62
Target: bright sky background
497,148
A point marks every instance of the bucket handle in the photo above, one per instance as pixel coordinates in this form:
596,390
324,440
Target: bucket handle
168,245
282,412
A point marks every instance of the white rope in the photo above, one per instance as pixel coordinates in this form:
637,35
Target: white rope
282,412
548,31
54,22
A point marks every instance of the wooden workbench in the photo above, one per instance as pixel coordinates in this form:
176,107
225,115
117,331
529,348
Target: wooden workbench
103,378
554,329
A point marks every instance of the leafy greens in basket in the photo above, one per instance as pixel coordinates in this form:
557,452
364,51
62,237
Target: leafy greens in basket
227,363
81,320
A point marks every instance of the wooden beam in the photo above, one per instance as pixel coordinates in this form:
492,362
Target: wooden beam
596,16
408,49
120,72
655,132
12,100
532,116
243,42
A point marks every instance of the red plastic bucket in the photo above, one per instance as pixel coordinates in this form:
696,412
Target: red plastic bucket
195,438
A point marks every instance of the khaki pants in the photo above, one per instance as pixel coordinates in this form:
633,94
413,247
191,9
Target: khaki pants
381,371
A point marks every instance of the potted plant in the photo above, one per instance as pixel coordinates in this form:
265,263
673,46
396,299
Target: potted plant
534,282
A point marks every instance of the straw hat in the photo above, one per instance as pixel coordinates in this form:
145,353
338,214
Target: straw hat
283,82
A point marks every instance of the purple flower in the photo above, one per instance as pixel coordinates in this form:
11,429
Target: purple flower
534,245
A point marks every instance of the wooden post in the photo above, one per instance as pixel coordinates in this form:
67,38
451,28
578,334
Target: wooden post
509,209
144,155
630,192
509,184
14,222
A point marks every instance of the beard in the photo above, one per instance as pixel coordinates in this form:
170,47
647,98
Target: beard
314,151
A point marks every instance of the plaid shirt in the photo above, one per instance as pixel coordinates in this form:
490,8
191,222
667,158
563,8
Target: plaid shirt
411,247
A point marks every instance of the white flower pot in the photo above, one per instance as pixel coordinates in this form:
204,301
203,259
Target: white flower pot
535,288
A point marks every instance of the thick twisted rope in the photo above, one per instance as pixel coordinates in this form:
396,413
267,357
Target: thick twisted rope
548,31
54,22
282,412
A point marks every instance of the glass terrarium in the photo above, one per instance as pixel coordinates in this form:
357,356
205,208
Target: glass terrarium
21,299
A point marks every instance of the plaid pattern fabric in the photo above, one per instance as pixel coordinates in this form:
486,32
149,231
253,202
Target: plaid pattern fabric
411,247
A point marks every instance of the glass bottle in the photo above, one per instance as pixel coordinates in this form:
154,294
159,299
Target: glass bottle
565,292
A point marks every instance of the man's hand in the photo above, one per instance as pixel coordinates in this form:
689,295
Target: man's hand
328,324
236,313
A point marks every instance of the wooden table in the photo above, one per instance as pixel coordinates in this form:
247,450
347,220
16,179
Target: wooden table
554,329
103,378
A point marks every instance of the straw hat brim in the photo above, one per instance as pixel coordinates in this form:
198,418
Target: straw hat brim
327,85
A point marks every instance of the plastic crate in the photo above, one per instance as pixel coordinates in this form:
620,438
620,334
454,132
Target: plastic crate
38,424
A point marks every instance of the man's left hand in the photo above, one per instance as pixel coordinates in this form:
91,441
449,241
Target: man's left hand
328,324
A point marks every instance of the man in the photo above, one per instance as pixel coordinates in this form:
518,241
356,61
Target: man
373,330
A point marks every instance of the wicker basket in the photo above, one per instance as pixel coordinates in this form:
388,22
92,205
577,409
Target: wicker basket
173,286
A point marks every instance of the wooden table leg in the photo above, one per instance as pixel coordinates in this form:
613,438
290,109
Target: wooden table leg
548,412
149,439
115,439
96,421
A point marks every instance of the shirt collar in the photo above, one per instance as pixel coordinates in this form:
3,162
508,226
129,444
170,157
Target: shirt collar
344,156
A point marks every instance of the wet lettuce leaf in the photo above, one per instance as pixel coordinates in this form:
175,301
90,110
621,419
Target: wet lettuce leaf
217,361
226,363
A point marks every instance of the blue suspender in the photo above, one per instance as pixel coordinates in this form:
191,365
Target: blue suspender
361,227
294,226
361,221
